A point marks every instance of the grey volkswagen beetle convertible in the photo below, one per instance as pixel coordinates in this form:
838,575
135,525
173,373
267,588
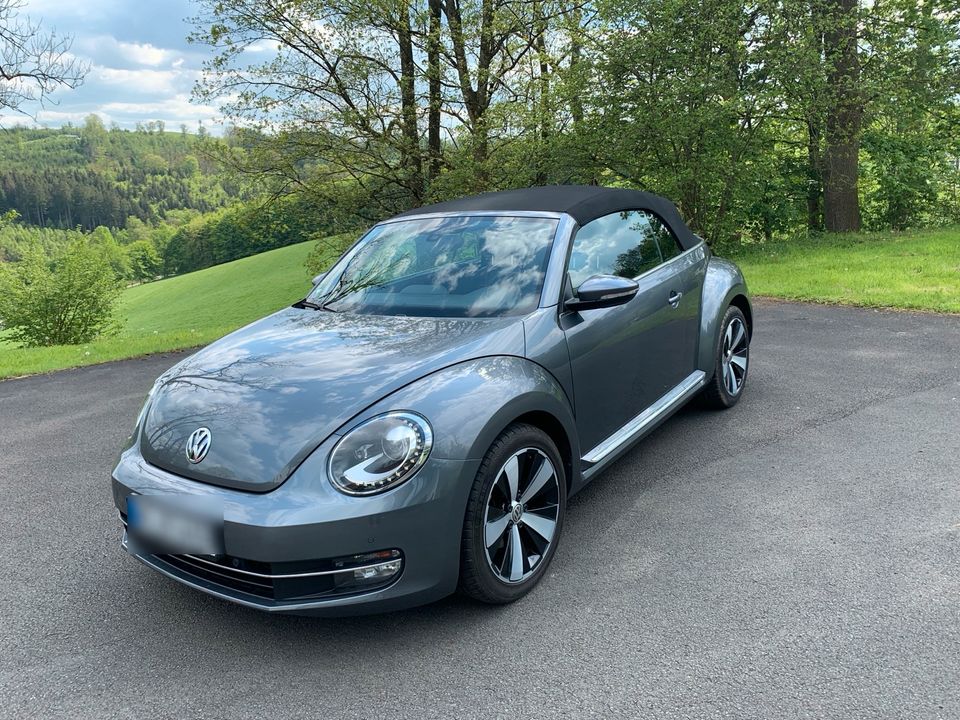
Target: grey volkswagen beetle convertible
417,423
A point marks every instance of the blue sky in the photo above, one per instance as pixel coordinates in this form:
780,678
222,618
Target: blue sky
142,67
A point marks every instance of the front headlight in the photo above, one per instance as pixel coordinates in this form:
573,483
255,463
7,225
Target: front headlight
380,453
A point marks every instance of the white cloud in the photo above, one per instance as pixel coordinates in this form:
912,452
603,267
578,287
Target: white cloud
145,53
178,105
260,46
145,82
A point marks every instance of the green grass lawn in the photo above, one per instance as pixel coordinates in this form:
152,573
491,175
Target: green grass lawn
913,270
916,270
181,312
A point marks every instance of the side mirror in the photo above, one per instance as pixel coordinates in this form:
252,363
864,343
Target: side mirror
602,291
318,278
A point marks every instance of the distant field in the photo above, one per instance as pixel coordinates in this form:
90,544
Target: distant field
181,312
918,270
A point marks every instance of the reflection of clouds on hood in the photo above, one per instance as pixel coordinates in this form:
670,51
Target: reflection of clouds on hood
271,392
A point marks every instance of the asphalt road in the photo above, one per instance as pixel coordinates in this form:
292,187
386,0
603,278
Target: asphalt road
794,557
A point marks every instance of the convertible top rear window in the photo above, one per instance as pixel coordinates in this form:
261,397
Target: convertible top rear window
464,266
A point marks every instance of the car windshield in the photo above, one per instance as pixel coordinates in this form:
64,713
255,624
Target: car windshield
467,266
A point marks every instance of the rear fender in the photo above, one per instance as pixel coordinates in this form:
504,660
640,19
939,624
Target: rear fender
723,283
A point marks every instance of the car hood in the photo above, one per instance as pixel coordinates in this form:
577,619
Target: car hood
271,392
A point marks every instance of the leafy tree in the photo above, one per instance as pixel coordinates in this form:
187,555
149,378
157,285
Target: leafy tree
189,166
339,86
66,305
144,261
153,164
360,84
102,240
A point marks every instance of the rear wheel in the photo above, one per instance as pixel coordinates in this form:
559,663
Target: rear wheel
514,516
732,356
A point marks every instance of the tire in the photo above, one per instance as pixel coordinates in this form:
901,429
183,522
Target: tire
724,390
512,467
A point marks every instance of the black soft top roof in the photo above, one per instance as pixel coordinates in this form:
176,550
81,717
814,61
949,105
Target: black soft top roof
582,202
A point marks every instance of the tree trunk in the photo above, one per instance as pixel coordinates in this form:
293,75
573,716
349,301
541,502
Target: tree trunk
434,98
481,146
814,176
475,101
411,159
841,201
576,51
543,106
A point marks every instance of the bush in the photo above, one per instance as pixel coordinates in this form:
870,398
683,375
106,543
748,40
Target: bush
67,305
145,261
244,230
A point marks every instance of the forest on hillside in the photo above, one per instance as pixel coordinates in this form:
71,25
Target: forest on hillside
88,176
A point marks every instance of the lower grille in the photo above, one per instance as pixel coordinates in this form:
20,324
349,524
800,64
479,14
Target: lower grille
289,581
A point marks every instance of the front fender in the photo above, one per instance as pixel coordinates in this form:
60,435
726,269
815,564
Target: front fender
469,404
722,284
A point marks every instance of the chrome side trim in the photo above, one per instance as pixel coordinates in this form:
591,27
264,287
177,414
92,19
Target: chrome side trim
636,427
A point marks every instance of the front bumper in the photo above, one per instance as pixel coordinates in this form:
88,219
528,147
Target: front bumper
304,525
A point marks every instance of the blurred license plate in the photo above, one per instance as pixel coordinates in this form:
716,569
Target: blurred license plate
175,524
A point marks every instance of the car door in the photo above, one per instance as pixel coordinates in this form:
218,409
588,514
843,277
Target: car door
624,358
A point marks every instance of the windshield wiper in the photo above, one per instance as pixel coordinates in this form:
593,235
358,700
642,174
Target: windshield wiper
311,305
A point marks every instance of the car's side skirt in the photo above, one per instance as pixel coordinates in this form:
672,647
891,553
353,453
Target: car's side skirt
647,420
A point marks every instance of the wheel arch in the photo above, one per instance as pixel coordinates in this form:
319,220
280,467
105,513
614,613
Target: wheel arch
557,432
742,302
723,285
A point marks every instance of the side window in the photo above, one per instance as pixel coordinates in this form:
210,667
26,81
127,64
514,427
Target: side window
666,240
621,244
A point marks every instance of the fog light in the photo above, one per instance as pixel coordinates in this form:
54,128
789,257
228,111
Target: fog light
368,569
377,572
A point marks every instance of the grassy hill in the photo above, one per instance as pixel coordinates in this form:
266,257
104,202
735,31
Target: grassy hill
914,270
181,312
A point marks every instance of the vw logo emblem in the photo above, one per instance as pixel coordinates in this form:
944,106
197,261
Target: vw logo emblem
198,444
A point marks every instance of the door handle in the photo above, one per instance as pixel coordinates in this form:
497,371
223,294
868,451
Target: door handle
674,298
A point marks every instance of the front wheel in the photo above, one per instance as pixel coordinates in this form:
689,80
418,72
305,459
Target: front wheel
732,356
514,516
